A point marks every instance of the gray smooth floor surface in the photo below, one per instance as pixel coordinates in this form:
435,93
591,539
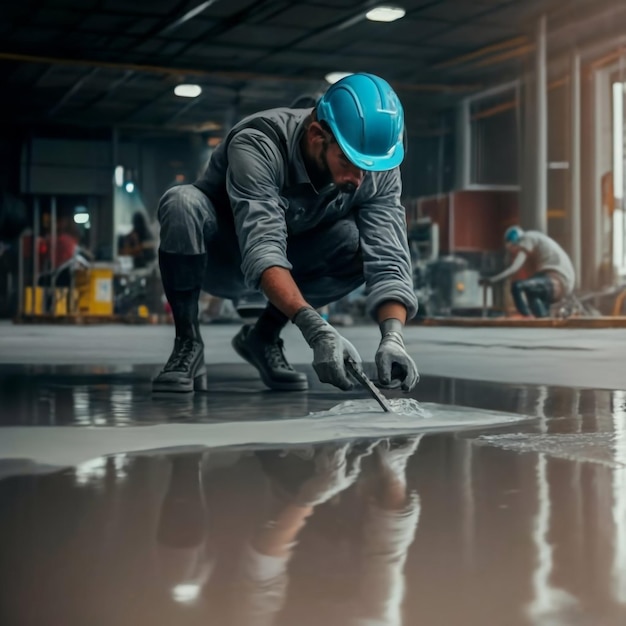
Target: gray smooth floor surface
569,357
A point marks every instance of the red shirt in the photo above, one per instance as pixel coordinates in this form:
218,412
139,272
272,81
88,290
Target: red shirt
65,248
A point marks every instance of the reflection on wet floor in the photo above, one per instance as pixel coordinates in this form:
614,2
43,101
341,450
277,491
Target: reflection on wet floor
515,523
106,396
436,529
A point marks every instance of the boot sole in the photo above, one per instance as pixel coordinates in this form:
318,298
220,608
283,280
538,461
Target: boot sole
199,383
301,385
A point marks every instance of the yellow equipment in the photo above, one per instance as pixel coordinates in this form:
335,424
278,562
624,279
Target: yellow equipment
37,309
94,288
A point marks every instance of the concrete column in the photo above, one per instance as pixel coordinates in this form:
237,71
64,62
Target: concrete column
35,276
53,233
115,149
528,172
540,213
575,168
598,238
463,149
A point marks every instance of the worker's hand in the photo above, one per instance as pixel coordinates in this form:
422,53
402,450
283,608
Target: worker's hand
391,456
336,468
330,349
395,367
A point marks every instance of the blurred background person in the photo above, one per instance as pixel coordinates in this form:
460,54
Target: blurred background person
139,243
552,276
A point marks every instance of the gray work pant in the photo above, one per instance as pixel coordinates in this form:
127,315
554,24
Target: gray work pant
327,263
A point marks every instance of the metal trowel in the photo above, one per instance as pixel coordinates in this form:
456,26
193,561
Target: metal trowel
369,386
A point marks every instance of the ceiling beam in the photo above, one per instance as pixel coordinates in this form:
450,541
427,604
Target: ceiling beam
505,56
194,102
110,90
188,15
480,52
73,90
178,72
262,9
144,106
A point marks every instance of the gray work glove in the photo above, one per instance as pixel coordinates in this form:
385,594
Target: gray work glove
395,367
330,349
337,466
392,455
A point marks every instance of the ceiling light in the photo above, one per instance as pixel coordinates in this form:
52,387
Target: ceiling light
188,91
81,218
333,77
385,14
130,187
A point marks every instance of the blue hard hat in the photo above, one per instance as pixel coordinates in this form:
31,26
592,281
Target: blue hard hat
513,234
366,117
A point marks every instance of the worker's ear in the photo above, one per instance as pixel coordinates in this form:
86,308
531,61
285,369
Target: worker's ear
316,133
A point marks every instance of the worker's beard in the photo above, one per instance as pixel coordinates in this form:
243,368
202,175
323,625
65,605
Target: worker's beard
327,174
319,171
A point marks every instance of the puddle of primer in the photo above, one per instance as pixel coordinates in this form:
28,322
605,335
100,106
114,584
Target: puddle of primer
599,448
56,447
408,407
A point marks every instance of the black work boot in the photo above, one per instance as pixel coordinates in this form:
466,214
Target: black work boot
268,356
184,371
262,347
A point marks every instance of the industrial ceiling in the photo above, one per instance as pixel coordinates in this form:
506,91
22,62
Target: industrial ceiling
115,63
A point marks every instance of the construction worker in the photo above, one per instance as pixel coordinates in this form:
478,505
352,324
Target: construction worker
554,276
303,205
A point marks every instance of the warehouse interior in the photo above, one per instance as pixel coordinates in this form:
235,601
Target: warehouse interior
242,505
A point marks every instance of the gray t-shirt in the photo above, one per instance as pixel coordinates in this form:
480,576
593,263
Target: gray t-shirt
548,255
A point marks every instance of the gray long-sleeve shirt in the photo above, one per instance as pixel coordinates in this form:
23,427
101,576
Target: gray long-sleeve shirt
271,200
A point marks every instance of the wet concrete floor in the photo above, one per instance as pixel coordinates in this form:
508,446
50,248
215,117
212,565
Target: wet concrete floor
109,395
508,510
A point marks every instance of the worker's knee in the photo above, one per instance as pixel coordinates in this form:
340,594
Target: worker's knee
326,251
181,203
187,219
517,287
339,241
539,287
342,239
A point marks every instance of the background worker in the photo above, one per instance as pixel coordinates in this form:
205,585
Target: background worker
553,277
139,243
